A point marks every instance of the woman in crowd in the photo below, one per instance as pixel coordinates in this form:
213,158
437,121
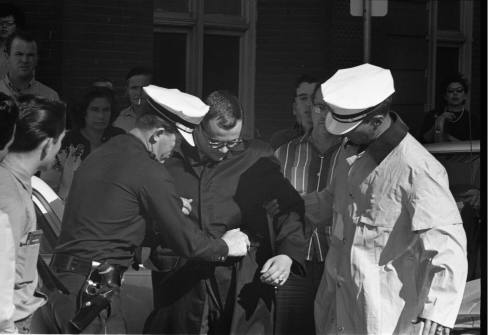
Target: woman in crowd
451,122
38,135
93,128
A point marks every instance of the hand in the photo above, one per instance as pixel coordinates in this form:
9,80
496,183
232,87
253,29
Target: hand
237,242
186,206
445,116
276,270
70,161
272,207
434,328
473,197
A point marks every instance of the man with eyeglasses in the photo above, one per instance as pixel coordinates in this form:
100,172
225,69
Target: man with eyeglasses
307,162
228,179
11,18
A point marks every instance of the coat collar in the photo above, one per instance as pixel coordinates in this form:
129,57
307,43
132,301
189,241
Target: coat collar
385,143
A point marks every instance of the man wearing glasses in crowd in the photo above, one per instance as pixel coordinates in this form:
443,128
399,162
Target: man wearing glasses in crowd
228,180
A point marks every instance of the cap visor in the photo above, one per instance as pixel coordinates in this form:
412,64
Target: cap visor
339,128
187,136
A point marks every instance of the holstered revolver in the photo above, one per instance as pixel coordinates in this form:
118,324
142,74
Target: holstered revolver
96,294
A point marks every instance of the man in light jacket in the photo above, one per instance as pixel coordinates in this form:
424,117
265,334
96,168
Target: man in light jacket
397,259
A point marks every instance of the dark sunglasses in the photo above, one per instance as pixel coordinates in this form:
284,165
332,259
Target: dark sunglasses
455,90
214,144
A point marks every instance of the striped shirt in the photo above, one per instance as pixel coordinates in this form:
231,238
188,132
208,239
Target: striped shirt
308,170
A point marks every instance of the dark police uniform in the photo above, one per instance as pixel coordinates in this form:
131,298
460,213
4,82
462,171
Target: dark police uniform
116,195
228,297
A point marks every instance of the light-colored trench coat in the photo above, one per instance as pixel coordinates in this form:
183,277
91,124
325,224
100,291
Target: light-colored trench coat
398,251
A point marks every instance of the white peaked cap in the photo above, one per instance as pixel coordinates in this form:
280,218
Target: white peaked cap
184,110
352,93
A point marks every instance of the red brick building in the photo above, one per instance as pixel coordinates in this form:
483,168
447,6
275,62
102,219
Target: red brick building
257,48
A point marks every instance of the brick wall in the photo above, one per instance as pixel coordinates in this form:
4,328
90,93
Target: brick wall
104,38
291,40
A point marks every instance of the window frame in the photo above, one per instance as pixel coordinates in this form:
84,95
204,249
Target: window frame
195,24
461,39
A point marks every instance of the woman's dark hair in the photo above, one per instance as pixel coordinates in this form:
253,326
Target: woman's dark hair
39,119
8,117
8,9
89,96
454,78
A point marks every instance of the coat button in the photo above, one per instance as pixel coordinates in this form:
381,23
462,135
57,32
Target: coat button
340,329
339,285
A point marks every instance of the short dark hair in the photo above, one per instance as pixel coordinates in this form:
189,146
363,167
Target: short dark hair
7,9
139,70
454,78
19,34
304,78
102,80
149,120
88,97
8,117
39,119
224,107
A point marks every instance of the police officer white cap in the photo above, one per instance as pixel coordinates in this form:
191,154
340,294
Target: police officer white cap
353,93
184,110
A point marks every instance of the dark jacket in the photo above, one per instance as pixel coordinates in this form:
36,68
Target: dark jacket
116,194
226,195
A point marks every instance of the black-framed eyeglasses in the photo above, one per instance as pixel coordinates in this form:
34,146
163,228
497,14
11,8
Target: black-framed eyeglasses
215,144
7,23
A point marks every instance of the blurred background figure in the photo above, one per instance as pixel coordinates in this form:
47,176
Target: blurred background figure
93,128
22,57
137,78
307,162
11,18
301,109
451,121
38,136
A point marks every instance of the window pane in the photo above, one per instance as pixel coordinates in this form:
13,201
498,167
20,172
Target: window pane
221,63
228,7
170,60
448,14
171,5
446,65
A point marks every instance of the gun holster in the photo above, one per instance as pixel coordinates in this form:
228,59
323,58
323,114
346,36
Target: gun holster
96,293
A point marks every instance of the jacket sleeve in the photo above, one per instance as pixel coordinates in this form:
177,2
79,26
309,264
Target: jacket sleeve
288,225
176,231
444,248
7,275
318,205
436,220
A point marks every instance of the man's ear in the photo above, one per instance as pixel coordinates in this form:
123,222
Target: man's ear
45,148
155,137
377,120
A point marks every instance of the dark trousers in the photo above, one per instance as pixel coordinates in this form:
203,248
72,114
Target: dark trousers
60,310
295,301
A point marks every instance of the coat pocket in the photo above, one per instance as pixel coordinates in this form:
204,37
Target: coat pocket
27,257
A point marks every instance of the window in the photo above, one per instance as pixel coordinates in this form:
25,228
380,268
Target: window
450,41
203,45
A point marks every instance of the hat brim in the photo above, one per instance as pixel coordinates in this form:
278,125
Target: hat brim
339,128
187,136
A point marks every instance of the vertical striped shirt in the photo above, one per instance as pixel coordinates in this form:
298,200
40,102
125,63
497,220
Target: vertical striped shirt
309,170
